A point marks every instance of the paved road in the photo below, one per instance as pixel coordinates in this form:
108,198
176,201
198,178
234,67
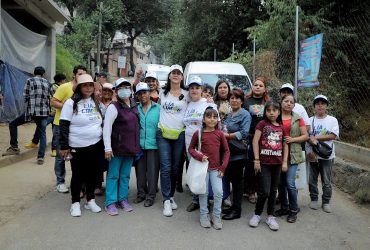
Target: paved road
34,216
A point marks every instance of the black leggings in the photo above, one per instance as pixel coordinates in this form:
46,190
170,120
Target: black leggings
234,173
84,165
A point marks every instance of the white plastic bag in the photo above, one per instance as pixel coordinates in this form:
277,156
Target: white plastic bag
196,176
301,174
197,173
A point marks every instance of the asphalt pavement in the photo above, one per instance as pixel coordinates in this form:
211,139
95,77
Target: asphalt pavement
34,216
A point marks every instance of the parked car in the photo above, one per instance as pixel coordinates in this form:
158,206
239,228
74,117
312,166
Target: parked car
162,71
211,72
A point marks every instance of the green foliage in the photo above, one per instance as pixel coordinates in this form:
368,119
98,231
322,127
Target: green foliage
362,196
65,62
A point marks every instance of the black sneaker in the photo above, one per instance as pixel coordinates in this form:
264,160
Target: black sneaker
292,217
11,151
148,203
281,212
192,207
139,199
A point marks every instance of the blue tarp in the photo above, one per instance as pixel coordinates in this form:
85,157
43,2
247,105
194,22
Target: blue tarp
12,81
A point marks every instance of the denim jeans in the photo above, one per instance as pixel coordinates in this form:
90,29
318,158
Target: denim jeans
216,183
13,129
118,179
267,187
59,165
287,187
322,167
170,153
41,123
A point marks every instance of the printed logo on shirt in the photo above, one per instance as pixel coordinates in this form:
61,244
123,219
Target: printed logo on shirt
320,130
90,110
256,110
271,142
171,108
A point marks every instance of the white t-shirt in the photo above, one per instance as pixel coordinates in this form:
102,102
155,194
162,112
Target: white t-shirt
301,111
85,128
173,110
324,126
193,118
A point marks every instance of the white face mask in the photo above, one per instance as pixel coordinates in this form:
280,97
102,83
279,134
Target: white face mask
124,93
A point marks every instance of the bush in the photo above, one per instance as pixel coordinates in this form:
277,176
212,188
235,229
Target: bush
65,62
362,196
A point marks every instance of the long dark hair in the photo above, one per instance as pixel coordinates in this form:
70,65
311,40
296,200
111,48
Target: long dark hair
167,87
217,98
77,96
275,105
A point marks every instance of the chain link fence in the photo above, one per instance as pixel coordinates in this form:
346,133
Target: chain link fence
344,77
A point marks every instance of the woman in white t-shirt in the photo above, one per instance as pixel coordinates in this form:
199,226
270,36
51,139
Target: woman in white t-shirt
81,141
193,121
324,128
170,134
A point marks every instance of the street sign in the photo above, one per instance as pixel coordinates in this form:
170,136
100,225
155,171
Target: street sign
121,62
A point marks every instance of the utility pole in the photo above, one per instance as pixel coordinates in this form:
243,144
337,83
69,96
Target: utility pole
232,57
99,39
296,53
214,55
254,58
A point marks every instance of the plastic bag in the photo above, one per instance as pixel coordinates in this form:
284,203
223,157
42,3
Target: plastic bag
196,176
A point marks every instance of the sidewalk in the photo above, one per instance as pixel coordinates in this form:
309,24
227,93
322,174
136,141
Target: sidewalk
25,134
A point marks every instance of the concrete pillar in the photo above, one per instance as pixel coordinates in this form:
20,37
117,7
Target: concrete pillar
52,49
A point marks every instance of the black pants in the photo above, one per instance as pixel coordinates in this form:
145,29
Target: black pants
234,173
268,183
147,172
84,165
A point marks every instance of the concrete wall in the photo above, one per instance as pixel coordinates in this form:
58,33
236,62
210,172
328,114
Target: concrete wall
354,153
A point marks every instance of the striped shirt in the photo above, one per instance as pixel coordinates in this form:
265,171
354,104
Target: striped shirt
37,93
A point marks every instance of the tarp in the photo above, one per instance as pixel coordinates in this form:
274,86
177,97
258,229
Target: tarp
12,81
22,47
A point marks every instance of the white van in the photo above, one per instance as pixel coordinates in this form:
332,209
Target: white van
211,72
162,71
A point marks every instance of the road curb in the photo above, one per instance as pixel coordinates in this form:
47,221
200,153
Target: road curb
24,155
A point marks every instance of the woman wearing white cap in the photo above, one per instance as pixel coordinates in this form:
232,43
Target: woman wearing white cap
170,134
81,141
193,121
153,84
324,128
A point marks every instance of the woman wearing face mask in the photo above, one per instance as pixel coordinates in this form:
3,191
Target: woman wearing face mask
170,134
122,143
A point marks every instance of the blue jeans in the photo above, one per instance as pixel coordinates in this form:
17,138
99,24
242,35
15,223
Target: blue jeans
322,167
13,129
118,179
59,165
216,184
170,152
41,123
287,187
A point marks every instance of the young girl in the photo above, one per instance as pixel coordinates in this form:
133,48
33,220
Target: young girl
295,133
212,142
270,157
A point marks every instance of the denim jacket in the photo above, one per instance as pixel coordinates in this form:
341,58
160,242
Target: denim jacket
238,124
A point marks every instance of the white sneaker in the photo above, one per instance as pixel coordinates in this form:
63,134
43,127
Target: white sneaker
75,209
314,205
326,207
167,209
62,188
173,204
227,202
91,205
271,222
255,220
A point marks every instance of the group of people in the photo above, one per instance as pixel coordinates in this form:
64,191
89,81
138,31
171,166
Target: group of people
250,141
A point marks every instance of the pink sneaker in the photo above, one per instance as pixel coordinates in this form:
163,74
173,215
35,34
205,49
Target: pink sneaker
112,209
126,206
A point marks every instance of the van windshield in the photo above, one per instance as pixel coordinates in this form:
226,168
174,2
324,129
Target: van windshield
234,80
162,75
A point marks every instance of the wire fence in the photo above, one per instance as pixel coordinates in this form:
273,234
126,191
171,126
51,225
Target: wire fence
344,77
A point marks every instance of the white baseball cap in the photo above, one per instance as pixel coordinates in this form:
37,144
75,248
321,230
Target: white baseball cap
107,85
195,80
176,66
287,86
141,86
151,74
121,81
320,98
84,78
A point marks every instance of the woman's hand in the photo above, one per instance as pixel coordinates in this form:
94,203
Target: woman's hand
289,139
220,174
284,166
108,155
257,166
64,152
